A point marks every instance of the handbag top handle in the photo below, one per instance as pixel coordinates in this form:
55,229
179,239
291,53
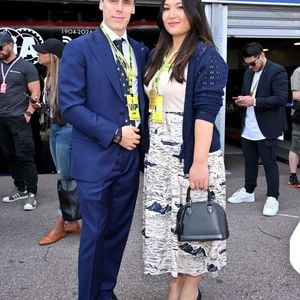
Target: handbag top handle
210,199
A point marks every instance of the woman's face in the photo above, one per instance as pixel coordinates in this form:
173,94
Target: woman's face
44,58
174,19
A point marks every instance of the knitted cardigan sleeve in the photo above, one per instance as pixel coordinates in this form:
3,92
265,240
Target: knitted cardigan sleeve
209,77
206,79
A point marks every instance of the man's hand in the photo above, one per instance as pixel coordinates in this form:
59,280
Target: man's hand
36,105
244,101
130,137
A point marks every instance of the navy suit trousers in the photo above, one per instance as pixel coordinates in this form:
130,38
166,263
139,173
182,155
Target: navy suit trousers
107,209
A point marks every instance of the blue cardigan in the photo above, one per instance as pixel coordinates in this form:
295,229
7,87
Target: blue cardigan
206,79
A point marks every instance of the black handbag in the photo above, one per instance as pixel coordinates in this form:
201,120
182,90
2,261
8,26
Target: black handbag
201,221
69,202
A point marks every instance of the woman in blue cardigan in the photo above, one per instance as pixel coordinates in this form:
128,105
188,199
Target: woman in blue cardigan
184,81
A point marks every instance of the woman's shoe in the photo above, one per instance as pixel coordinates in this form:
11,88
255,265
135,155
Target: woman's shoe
52,237
199,295
72,228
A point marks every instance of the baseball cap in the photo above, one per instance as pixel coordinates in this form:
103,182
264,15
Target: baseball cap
51,45
5,38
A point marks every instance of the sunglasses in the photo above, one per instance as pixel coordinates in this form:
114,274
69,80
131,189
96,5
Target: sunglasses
252,63
1,47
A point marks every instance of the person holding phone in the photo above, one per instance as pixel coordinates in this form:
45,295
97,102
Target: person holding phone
263,98
18,76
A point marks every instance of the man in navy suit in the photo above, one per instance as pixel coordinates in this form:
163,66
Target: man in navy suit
264,94
101,95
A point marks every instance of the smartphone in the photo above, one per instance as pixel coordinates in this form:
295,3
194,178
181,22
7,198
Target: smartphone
30,99
234,98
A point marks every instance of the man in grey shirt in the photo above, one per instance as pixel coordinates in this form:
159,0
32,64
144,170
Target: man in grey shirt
18,77
295,146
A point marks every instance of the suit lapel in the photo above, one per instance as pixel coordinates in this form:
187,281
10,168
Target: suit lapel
102,51
137,52
262,77
138,57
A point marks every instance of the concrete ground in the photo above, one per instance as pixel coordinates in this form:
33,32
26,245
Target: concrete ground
258,249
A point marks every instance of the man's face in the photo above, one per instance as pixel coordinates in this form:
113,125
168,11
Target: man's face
117,13
5,51
255,63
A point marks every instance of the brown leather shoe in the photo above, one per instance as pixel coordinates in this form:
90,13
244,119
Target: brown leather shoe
72,228
52,237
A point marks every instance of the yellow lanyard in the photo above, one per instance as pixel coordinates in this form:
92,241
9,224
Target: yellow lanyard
166,66
156,100
128,68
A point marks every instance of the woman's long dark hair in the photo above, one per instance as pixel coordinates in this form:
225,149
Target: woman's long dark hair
200,31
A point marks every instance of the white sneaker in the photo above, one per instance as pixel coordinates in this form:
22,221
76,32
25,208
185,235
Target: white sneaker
271,207
241,196
31,202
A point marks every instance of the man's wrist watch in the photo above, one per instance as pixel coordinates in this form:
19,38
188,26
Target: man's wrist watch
28,113
118,136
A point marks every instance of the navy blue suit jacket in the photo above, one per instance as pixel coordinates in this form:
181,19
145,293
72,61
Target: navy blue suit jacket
90,98
271,96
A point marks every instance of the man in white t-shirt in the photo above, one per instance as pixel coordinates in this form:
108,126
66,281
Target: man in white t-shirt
264,94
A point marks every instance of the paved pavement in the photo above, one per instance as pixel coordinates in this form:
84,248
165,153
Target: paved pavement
258,248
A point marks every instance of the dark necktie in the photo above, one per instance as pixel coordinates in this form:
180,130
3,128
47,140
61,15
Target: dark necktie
121,71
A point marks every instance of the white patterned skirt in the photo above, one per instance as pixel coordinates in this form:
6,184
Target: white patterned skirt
165,188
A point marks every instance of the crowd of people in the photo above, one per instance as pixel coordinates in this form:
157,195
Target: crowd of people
116,108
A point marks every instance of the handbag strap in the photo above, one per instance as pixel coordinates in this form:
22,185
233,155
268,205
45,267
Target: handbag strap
210,199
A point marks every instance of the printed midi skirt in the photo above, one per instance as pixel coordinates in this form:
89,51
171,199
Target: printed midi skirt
165,188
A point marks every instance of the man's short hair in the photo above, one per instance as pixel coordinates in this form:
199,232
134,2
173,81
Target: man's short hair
252,49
